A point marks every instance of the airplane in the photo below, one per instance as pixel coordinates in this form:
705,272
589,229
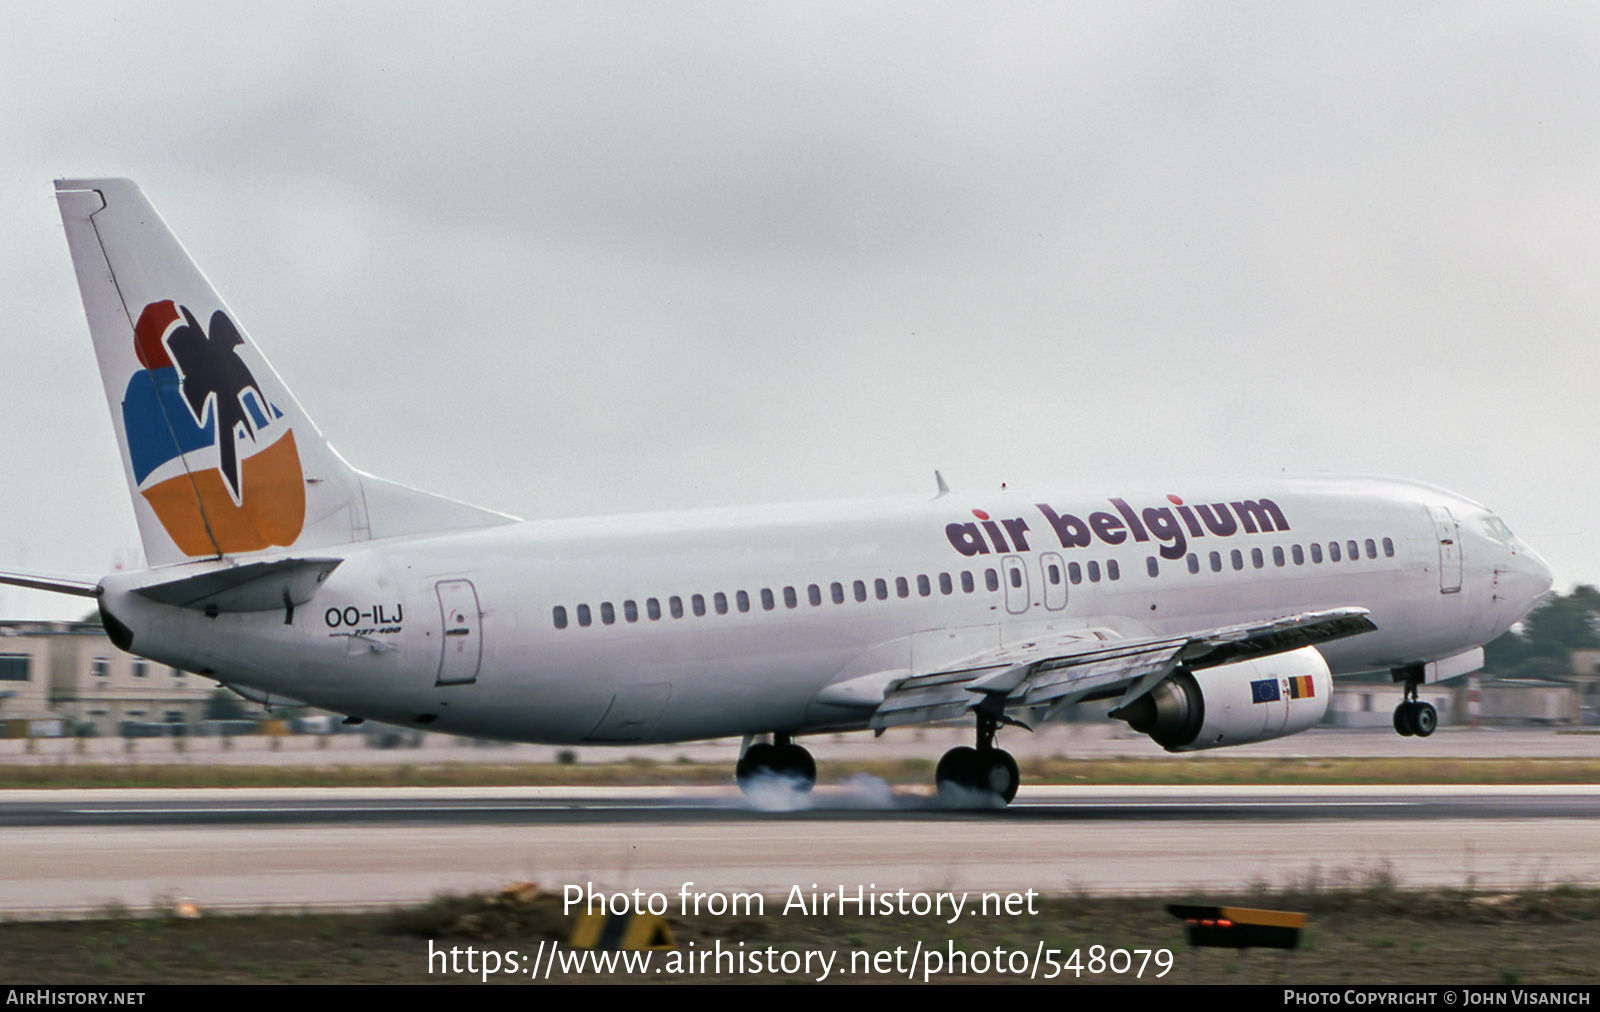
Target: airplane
1206,615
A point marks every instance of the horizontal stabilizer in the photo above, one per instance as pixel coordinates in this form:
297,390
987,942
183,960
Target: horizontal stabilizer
258,586
54,584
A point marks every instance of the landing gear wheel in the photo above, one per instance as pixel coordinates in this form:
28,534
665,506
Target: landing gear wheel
758,761
788,762
1424,719
968,777
796,764
1000,774
1402,720
1413,716
956,774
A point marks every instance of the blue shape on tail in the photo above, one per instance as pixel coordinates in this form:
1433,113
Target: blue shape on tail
157,420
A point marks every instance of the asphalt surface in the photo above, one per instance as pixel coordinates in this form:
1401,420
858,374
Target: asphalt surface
868,800
72,853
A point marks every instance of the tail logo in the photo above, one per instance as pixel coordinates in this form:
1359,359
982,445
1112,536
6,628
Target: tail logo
213,457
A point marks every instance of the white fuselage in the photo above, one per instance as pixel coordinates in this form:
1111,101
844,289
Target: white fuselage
631,628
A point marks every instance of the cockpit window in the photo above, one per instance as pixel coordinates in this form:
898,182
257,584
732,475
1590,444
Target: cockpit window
1498,530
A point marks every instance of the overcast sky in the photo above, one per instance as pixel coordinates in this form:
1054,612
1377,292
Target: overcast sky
565,259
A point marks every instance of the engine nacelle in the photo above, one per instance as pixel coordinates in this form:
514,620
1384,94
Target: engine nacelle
1234,704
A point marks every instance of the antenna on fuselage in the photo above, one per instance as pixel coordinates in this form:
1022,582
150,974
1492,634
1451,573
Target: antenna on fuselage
944,489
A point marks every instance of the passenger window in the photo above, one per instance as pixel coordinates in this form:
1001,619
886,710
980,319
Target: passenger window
1054,572
790,598
837,590
923,586
741,600
1216,562
945,586
1355,550
630,611
1237,557
861,591
1299,555
1150,566
901,587
1194,563
1255,558
766,599
1372,549
1388,548
1016,576
991,579
1094,572
1277,555
1113,571
881,589
1074,573
720,601
652,607
698,603
560,616
608,614
1333,551
814,595
583,615
675,606
1316,552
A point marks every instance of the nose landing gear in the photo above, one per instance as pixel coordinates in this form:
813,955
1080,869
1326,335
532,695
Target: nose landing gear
1413,716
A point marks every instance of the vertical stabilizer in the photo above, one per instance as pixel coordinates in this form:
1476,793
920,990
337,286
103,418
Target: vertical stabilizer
220,458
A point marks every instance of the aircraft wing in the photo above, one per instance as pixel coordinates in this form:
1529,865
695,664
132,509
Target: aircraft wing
1056,672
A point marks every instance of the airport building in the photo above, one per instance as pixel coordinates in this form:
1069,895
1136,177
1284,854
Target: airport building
65,677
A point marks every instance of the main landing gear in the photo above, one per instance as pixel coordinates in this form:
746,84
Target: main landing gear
1413,716
982,777
782,763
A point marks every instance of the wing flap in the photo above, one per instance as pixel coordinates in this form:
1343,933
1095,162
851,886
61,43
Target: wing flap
1070,683
924,698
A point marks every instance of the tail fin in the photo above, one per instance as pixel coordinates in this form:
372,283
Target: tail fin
220,458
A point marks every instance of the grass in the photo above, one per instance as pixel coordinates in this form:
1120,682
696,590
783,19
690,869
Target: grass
1364,929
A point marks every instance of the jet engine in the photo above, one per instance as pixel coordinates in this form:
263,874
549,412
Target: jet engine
1234,704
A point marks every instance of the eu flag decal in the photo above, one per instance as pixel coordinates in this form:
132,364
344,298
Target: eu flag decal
1265,691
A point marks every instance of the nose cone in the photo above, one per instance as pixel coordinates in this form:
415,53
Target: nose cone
1529,580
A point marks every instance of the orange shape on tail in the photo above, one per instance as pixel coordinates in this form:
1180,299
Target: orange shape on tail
273,512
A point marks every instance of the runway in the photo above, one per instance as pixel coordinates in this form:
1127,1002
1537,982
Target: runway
76,852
